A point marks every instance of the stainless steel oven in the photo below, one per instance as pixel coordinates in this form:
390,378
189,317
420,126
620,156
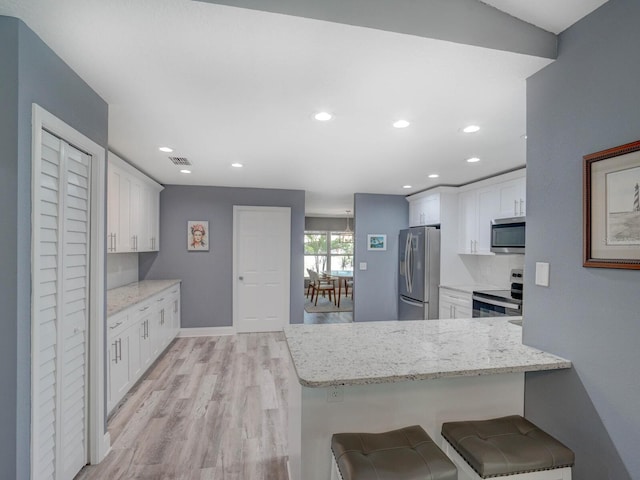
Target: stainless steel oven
500,303
497,305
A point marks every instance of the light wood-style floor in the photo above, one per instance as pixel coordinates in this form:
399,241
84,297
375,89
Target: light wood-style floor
211,408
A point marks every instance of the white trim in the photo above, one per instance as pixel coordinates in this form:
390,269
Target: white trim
98,438
287,268
206,332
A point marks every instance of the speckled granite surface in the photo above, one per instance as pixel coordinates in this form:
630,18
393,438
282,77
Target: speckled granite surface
123,297
381,352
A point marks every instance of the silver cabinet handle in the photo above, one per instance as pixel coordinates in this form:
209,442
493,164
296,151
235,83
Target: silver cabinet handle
471,246
115,352
521,204
143,309
116,325
115,242
160,299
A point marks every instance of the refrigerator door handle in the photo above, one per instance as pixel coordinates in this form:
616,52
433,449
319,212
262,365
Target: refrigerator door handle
406,261
409,263
411,302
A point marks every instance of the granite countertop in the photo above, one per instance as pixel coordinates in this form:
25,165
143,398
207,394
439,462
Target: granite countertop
473,287
383,352
123,297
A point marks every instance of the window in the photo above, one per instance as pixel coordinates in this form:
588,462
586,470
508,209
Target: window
328,251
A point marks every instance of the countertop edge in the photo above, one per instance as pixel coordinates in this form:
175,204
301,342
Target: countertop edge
168,283
561,365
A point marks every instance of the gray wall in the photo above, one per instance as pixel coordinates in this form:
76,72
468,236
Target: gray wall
585,102
29,72
376,289
207,277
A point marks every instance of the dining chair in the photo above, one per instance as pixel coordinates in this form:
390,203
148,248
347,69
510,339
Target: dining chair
319,285
348,284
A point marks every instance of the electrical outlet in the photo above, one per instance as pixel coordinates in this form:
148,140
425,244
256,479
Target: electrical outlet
335,394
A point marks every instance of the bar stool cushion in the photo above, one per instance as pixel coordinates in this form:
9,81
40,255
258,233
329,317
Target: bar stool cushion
404,454
506,446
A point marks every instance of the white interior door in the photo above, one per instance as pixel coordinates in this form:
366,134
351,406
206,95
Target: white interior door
61,214
262,259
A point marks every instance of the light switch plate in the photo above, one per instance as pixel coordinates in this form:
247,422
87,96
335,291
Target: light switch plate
542,274
363,265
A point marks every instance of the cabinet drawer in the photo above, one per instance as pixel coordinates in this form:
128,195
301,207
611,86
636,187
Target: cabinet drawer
460,299
116,324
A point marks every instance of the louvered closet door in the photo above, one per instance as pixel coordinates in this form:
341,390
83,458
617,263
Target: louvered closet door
61,302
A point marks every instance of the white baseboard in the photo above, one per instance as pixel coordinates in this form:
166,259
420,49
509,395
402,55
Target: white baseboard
206,332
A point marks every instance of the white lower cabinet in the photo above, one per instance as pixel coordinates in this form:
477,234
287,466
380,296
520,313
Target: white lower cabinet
119,358
455,304
137,337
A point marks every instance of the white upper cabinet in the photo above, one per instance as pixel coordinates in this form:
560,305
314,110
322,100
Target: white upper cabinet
476,209
424,209
133,209
479,203
513,198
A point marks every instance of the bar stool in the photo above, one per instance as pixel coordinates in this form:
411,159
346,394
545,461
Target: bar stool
404,454
511,448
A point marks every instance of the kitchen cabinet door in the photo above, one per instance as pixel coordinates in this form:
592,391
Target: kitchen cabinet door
476,209
455,304
513,198
119,368
120,210
424,210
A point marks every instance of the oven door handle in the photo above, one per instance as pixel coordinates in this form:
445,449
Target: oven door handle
497,303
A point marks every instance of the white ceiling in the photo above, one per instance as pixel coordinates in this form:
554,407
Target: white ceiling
222,84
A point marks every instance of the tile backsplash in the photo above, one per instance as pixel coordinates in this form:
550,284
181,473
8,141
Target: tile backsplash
122,269
492,269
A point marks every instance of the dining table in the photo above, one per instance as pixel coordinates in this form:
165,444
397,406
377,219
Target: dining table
342,277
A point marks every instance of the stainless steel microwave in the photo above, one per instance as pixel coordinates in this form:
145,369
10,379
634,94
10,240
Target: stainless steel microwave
507,235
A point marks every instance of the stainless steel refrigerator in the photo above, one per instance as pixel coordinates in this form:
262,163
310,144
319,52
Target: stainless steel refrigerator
419,277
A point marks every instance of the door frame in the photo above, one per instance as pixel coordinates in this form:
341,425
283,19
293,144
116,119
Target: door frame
236,211
98,439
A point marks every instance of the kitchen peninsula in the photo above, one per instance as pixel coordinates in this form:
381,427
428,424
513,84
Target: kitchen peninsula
380,376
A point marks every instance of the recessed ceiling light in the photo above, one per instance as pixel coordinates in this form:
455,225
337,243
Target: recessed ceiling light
401,124
185,171
323,116
434,175
473,160
406,186
471,129
166,149
236,165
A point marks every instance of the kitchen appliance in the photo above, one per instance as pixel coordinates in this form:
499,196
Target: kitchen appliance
500,303
419,277
507,235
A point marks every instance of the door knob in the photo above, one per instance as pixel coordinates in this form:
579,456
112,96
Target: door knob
240,278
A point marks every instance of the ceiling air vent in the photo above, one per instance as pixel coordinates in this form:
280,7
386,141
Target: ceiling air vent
180,161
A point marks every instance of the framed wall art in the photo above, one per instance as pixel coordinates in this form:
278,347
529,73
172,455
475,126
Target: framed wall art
611,199
376,241
198,236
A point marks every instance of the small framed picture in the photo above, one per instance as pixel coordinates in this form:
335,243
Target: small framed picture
611,199
198,236
377,241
